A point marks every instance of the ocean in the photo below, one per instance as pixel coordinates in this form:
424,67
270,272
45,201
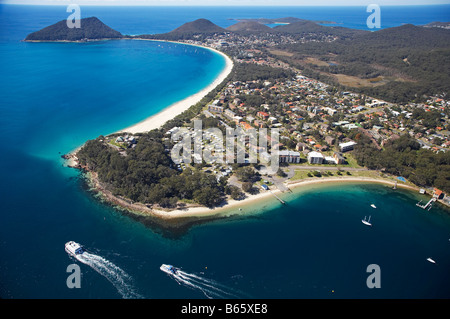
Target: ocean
55,96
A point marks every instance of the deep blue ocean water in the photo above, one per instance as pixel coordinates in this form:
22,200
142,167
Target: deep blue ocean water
55,96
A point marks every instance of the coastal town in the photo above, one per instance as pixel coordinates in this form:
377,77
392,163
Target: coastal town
326,132
317,123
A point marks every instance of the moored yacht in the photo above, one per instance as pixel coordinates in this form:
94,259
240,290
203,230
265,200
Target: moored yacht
366,222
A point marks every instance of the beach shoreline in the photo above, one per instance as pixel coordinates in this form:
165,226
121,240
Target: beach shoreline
157,120
244,207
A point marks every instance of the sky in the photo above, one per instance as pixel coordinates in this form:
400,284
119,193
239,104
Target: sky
230,2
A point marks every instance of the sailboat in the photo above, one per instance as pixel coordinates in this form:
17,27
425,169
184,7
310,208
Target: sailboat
366,222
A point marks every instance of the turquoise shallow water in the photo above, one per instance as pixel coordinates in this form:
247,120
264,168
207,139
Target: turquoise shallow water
55,96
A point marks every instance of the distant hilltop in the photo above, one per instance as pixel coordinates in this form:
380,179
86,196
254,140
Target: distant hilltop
91,29
249,26
199,26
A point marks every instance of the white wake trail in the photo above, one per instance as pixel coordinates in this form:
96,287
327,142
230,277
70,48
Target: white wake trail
210,288
115,275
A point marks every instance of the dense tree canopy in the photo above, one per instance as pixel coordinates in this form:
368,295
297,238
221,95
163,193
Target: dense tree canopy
404,157
147,174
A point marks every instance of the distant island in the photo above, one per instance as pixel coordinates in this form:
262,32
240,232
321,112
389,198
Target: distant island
91,29
437,24
286,20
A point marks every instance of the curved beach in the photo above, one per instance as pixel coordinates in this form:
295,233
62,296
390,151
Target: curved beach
157,120
234,207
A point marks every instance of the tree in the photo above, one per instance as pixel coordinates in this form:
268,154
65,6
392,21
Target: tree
246,174
208,196
247,187
281,173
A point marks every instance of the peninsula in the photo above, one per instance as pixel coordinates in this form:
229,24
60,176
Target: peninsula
282,78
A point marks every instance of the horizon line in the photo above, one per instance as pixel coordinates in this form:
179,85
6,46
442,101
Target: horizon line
217,5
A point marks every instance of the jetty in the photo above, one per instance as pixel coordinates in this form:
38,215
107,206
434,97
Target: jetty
281,201
427,205
268,189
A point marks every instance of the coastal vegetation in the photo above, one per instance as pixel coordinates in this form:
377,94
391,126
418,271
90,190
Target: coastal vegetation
413,59
405,157
146,174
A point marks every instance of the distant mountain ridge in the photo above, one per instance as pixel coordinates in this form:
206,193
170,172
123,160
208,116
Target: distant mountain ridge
91,29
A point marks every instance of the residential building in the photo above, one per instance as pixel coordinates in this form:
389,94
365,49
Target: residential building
289,157
315,158
263,115
339,158
348,146
229,113
215,108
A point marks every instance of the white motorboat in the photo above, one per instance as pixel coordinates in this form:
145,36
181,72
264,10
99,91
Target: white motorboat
168,269
74,248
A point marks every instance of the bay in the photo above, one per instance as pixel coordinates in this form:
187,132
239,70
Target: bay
55,96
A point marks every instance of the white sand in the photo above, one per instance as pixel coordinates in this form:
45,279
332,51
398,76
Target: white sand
157,120
231,207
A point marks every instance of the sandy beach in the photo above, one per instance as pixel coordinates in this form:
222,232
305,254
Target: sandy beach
157,120
233,207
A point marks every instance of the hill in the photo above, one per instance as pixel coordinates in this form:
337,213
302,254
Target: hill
197,29
249,26
198,26
91,28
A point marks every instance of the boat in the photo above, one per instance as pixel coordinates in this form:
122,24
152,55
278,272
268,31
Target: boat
431,260
373,206
74,248
168,269
366,222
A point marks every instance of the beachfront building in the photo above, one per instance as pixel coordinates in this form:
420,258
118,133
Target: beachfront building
289,157
315,158
348,146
